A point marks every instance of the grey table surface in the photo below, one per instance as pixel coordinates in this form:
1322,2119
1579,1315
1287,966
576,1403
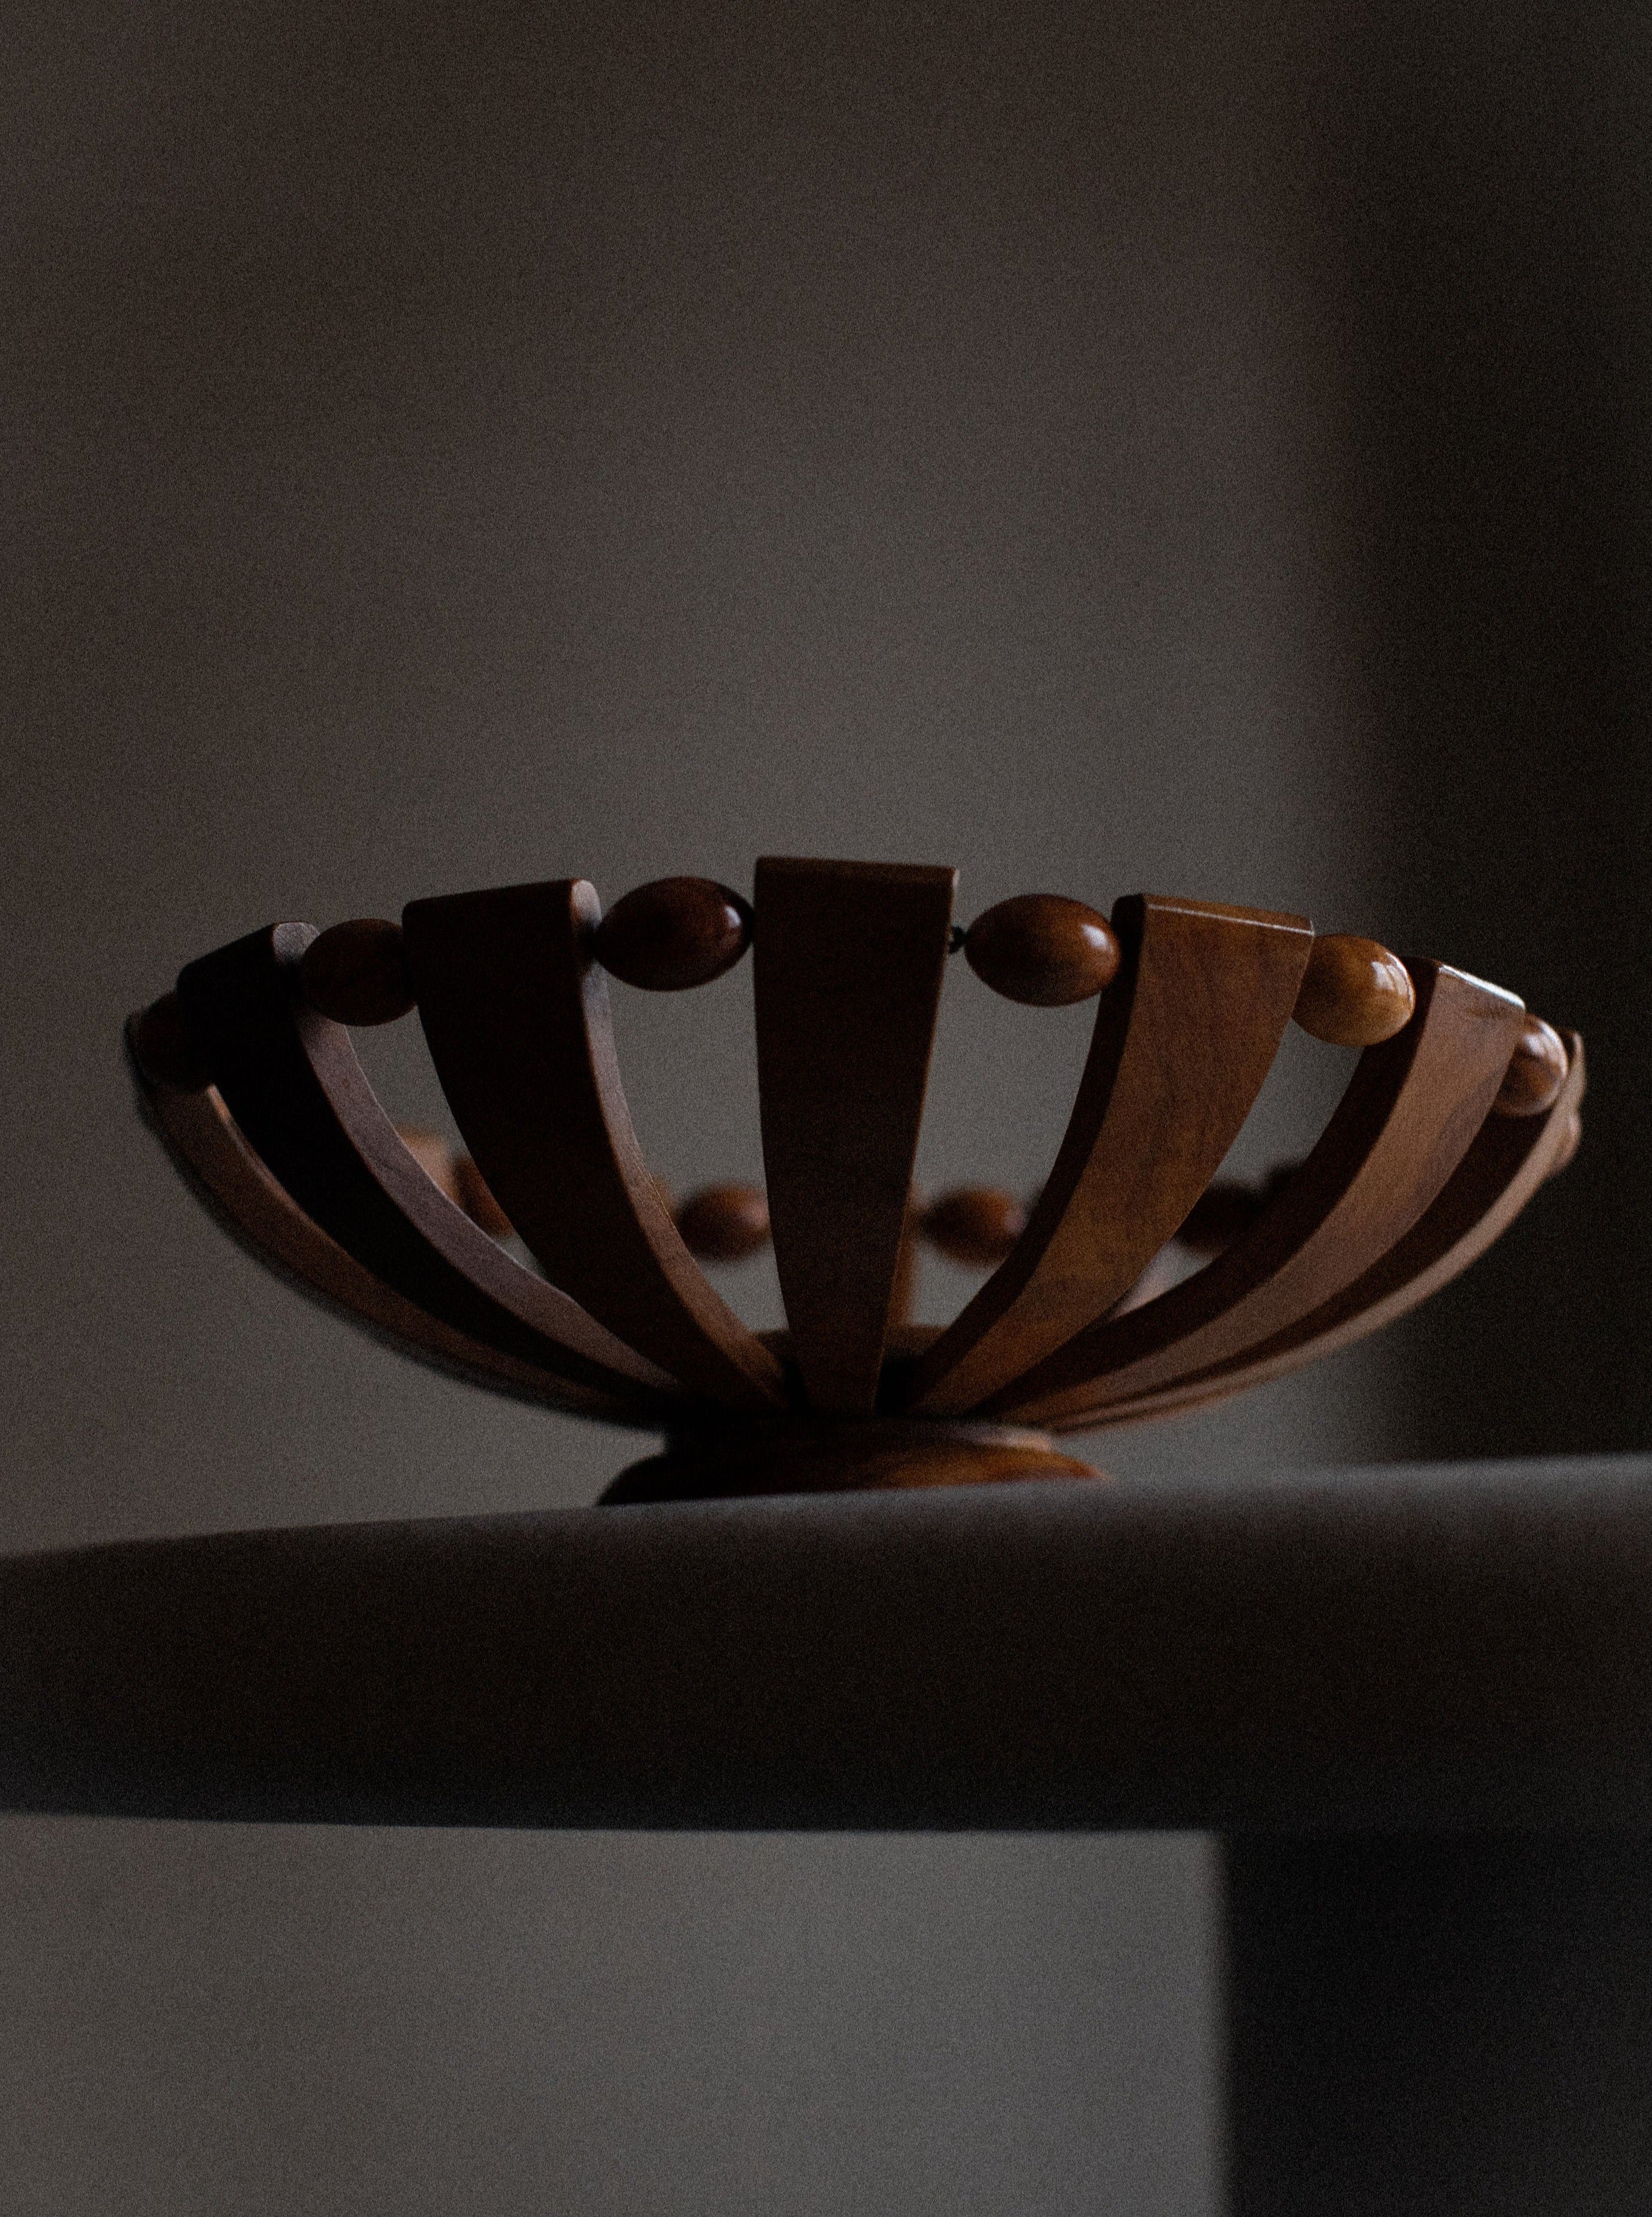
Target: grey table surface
1443,1647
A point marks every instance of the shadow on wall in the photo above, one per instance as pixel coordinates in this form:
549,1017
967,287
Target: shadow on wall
1492,198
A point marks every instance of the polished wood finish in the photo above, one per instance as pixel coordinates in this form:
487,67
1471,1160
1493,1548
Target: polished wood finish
165,1049
1510,1158
1088,1320
291,1080
1043,950
210,1151
674,934
1536,1073
1183,1041
975,1224
811,1454
1407,1119
516,1014
725,1223
850,959
356,973
1355,993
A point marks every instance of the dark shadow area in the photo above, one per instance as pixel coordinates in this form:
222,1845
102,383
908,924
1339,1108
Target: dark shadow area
1489,190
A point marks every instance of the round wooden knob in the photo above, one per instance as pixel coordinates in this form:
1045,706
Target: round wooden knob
356,973
974,1223
725,1223
1536,1070
675,933
1354,993
1043,950
166,1048
1569,1141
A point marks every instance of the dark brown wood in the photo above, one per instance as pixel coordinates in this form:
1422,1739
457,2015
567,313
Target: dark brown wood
290,1078
1226,1209
1536,1073
975,1224
674,934
1510,1158
457,1176
1183,1041
1355,992
164,1047
850,959
208,1149
1407,1119
356,973
725,1223
803,1454
517,1017
475,1196
1043,950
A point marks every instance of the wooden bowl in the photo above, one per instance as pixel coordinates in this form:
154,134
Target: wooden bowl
259,1097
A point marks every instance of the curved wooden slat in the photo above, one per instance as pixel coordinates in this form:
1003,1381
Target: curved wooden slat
211,1153
1406,1120
291,1080
850,960
1510,1158
516,1014
1183,1038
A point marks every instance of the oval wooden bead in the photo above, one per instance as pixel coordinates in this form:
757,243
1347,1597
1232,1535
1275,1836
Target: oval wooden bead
1536,1070
675,933
165,1049
725,1223
356,973
974,1223
1354,992
1043,950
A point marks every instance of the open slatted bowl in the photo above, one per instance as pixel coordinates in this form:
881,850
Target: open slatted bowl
1460,1105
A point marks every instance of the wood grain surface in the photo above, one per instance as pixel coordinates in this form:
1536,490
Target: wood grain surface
1507,1164
1183,1038
290,1078
850,960
211,1153
516,1015
1407,1119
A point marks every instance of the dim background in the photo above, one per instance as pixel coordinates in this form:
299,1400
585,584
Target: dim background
1197,449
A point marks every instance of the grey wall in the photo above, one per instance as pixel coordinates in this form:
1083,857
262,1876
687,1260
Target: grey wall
448,447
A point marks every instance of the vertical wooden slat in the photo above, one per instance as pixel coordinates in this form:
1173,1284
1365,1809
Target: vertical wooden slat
209,1149
516,1015
850,960
1408,1117
1510,1157
291,1079
1183,1038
